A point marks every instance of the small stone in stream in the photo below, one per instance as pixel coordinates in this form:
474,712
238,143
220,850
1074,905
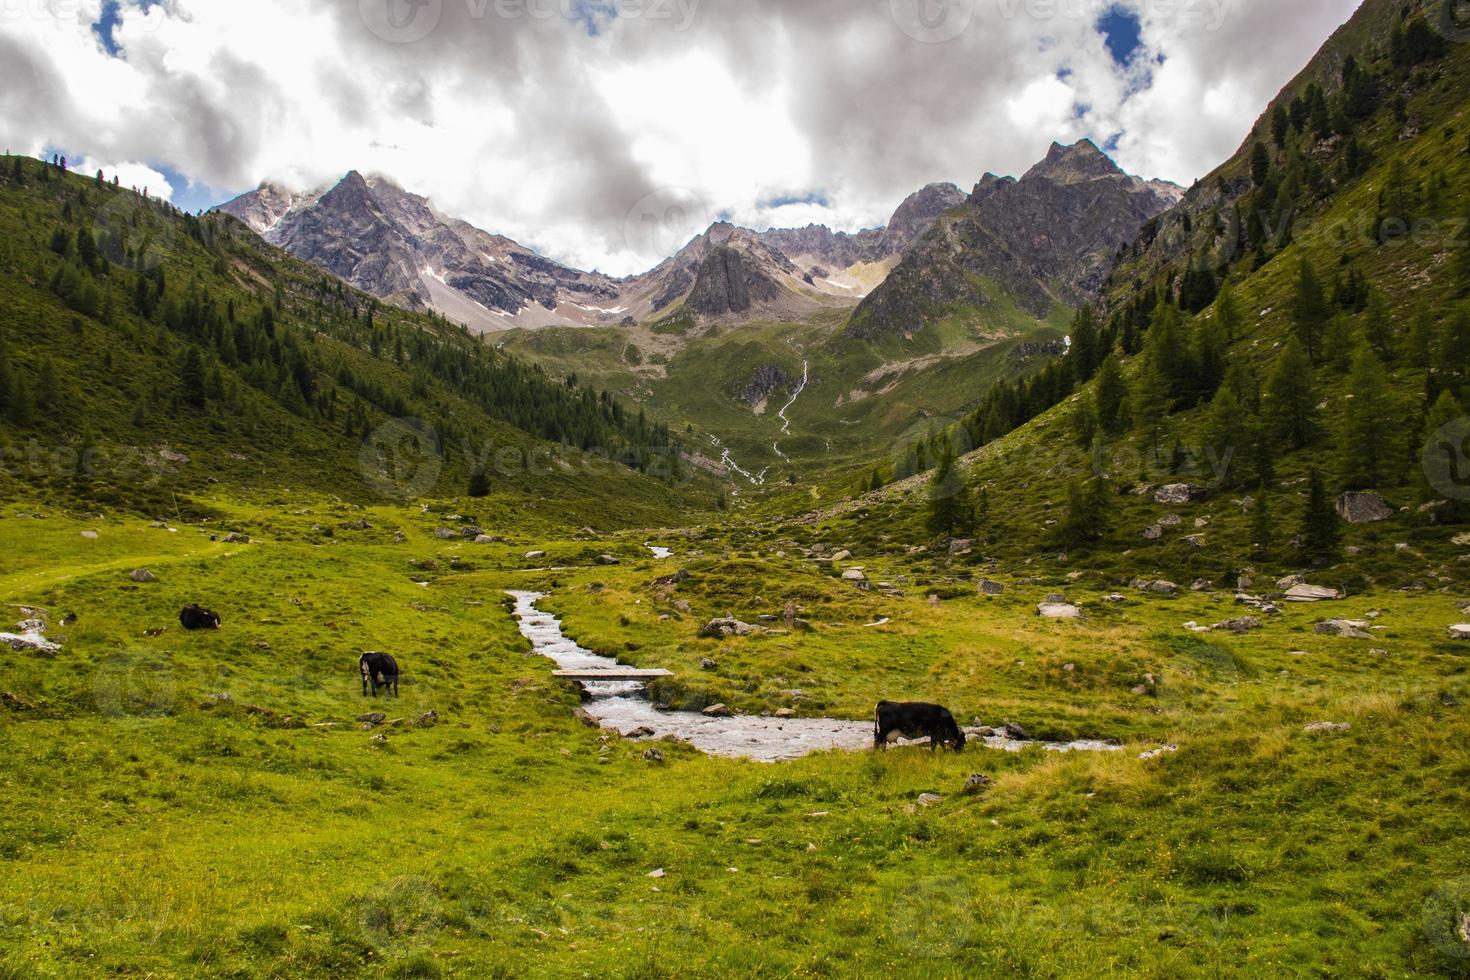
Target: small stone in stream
142,575
642,731
582,715
1327,726
929,799
1015,732
718,711
977,784
705,663
785,713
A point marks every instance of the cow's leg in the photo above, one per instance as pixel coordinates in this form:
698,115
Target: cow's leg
395,685
880,740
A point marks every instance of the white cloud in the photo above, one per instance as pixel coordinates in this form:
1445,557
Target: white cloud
527,126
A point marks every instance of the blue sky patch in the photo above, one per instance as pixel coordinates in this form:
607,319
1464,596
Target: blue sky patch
1122,32
813,197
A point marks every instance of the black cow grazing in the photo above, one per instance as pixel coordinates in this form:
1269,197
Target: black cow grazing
917,720
199,618
379,670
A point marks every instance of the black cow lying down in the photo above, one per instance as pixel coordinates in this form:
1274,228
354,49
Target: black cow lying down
917,720
379,670
199,618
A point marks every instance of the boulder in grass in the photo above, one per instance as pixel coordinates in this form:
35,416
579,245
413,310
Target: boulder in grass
1327,727
237,538
608,560
1180,493
725,627
142,575
988,587
1311,593
1058,610
535,555
1460,632
1348,629
1363,508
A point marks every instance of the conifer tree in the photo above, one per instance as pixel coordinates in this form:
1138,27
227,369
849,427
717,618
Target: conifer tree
1309,311
1087,513
1378,325
1280,126
479,483
47,394
1111,396
1338,345
1260,164
946,497
1420,342
1227,449
1438,459
1451,358
1290,405
191,378
1228,310
1370,446
1321,534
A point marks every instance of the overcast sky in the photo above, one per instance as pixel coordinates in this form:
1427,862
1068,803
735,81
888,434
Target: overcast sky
584,128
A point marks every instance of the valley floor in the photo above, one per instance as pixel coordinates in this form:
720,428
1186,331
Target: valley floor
211,804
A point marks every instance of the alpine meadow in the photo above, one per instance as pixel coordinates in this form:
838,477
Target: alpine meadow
723,488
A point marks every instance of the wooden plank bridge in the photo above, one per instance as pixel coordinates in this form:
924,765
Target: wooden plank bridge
613,674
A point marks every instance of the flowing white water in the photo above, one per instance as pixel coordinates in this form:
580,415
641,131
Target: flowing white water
806,376
624,707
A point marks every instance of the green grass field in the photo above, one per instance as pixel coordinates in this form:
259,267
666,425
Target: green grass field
151,828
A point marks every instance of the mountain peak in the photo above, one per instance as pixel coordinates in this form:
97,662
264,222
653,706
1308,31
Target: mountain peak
1081,161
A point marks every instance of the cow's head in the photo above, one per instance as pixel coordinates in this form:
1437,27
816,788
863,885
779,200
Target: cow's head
954,736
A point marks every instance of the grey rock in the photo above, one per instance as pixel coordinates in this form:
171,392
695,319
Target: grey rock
653,755
1460,632
142,575
1153,532
1058,610
988,587
1241,625
726,627
1311,593
718,711
977,784
1321,727
705,663
608,560
1348,629
1180,493
1363,508
372,718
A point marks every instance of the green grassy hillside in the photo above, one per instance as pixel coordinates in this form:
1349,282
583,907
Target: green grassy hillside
145,352
1212,400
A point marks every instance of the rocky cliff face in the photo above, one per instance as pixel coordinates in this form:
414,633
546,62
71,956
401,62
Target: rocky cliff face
1047,238
386,241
